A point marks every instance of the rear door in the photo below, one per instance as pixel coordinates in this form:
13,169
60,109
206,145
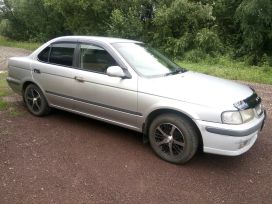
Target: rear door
54,72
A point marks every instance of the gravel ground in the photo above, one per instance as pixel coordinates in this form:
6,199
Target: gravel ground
65,158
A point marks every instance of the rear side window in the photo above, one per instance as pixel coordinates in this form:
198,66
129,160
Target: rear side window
43,56
62,54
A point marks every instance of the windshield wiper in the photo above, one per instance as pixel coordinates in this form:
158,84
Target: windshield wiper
177,71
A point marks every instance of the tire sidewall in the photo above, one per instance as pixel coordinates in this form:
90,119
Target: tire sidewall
188,132
44,106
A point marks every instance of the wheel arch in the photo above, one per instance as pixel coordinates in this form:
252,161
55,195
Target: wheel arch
28,82
155,113
25,84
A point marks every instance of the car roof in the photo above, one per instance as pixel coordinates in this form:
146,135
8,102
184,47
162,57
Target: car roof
105,40
94,38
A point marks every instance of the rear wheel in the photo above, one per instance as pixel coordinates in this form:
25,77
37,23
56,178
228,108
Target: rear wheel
173,138
35,101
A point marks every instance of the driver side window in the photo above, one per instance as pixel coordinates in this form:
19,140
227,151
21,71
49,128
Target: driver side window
94,58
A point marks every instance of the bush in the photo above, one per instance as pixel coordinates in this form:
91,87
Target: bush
125,25
209,42
176,47
4,27
195,56
266,61
178,24
255,21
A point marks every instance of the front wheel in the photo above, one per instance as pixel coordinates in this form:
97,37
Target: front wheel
173,138
35,101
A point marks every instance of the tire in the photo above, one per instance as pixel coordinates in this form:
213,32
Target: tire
173,138
35,101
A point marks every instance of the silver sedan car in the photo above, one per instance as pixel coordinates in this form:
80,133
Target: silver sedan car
130,84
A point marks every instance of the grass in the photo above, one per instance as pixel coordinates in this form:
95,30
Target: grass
6,91
3,105
12,43
230,69
4,88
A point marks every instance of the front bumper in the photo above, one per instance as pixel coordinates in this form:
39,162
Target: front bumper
230,140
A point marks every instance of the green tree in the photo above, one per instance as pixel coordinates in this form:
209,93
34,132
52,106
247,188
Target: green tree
127,25
84,16
177,23
255,21
30,19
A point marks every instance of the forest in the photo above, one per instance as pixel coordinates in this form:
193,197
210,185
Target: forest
184,29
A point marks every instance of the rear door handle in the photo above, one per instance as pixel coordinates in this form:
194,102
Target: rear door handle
79,79
37,71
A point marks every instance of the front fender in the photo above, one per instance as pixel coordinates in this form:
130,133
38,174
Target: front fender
149,103
184,109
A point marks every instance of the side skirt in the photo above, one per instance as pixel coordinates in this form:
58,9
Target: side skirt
99,118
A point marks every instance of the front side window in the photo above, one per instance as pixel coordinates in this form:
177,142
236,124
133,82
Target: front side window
62,54
146,60
94,58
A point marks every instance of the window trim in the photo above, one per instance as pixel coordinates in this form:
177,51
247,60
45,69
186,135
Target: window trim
49,46
93,44
60,42
76,56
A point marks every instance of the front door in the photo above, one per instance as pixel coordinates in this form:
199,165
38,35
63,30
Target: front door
108,98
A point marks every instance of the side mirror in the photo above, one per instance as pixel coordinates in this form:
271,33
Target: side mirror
116,71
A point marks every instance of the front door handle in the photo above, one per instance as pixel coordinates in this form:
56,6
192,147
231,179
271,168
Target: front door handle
79,79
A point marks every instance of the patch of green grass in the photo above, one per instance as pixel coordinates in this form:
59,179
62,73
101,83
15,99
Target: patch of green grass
3,105
4,88
230,69
12,43
6,91
11,109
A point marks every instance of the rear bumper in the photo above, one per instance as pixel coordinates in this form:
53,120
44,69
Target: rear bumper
229,140
14,84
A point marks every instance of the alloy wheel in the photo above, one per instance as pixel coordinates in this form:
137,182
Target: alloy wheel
169,139
33,100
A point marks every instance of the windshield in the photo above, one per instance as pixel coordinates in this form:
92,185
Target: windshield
146,60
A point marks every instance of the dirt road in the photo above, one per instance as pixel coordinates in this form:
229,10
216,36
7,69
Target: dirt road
7,52
65,158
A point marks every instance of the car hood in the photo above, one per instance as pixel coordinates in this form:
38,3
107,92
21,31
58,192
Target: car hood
196,88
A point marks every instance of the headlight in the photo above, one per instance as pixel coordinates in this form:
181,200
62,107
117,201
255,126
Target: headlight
247,115
238,117
232,117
